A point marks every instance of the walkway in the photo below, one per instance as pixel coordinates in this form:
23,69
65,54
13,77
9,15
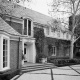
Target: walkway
59,73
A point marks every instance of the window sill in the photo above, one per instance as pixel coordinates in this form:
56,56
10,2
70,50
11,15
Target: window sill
53,55
4,69
27,36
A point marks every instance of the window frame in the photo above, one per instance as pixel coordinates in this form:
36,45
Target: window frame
58,33
53,51
47,31
67,35
27,25
2,37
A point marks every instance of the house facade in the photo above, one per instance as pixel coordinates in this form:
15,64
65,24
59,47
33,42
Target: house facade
58,40
17,37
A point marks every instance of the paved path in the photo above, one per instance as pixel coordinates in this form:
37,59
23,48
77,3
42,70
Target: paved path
59,73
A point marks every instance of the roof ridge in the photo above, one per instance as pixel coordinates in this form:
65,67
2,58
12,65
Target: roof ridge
36,11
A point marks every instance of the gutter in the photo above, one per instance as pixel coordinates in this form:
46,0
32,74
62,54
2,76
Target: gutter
18,54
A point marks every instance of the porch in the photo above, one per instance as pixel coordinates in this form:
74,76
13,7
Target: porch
28,50
28,67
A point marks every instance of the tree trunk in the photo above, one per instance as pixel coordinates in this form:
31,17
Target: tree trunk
72,36
71,48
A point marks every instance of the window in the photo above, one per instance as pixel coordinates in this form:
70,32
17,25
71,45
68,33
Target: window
9,0
54,51
5,53
47,31
27,27
67,35
63,35
58,33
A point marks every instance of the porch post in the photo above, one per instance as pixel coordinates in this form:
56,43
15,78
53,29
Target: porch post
22,50
34,52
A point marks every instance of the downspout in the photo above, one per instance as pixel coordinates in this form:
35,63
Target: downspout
18,54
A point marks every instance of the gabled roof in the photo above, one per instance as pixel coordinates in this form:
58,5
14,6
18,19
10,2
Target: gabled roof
20,11
23,12
36,16
7,28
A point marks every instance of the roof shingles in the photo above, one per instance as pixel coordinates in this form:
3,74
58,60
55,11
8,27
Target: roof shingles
7,28
36,16
20,11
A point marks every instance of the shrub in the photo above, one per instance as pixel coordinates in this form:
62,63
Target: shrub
63,62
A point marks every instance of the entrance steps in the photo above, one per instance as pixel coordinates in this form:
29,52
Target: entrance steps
28,67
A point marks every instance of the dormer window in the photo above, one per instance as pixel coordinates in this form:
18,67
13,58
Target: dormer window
67,35
9,0
47,31
58,33
27,27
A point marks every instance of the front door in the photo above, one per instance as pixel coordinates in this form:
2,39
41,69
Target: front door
25,54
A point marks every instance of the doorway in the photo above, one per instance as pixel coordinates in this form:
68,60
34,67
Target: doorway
25,53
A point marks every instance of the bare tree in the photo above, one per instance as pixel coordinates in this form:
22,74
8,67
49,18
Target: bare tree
7,8
70,7
24,3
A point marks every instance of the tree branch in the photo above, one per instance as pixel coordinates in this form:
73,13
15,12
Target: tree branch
63,11
76,39
78,9
77,6
76,26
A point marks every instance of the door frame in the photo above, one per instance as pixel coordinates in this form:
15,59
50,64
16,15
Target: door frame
25,55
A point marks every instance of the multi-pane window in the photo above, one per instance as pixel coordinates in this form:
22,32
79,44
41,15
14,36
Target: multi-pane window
67,35
9,0
5,52
54,51
58,33
27,27
47,31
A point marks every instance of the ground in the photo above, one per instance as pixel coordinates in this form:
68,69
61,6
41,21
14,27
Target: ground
59,73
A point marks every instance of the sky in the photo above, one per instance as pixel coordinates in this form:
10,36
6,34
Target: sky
42,6
38,5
